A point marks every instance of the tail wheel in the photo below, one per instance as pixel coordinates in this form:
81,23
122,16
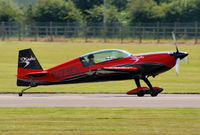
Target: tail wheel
20,94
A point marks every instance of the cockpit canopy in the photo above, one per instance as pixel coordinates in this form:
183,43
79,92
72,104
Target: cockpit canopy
103,56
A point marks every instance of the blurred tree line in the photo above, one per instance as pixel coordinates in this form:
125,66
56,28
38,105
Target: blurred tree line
96,11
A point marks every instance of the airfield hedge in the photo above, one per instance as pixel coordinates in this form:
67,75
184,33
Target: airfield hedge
93,11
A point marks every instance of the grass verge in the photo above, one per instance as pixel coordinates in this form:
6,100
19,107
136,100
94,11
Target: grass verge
98,121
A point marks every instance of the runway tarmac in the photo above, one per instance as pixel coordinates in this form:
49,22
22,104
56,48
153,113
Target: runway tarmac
100,100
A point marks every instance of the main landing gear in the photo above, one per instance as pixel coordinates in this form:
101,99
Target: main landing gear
141,91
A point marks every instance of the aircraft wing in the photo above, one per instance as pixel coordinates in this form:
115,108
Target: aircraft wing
121,69
41,73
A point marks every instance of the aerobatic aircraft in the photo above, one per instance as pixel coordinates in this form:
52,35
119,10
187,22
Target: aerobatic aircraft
103,65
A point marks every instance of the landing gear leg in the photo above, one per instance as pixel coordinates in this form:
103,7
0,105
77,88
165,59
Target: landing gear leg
21,93
137,81
147,82
141,91
32,84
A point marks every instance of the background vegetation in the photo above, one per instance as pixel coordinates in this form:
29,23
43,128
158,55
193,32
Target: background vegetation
92,11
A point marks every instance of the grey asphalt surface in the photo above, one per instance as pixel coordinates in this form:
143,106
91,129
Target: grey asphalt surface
100,100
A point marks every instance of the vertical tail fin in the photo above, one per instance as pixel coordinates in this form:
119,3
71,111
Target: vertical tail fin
27,62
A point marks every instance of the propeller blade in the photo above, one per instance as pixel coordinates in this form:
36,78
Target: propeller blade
174,39
177,65
185,59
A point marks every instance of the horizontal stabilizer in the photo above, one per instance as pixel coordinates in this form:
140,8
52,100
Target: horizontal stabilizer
37,73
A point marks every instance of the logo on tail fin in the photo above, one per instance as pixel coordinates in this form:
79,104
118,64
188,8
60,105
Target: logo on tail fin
27,60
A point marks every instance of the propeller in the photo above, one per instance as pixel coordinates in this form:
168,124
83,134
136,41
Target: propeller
177,66
177,51
185,59
178,55
174,39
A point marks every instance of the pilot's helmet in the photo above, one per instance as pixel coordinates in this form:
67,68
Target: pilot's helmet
82,59
90,56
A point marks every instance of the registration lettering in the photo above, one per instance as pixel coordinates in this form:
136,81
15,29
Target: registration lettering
65,72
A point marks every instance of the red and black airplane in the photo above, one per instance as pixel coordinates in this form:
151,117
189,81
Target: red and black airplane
103,65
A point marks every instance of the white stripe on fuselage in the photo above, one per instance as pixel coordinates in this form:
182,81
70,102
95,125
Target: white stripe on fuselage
139,54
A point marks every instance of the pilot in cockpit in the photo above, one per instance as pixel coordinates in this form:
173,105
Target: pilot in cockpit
91,60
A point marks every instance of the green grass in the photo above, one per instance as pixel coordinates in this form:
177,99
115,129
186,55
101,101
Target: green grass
98,121
51,54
